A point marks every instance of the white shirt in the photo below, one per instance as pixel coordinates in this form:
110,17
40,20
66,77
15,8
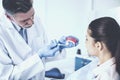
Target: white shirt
106,71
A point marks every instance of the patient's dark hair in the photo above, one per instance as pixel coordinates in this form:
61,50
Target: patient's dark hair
16,6
107,30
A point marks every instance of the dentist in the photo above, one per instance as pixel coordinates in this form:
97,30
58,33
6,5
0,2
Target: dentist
23,42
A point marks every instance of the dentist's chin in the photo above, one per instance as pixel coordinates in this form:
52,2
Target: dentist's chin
28,26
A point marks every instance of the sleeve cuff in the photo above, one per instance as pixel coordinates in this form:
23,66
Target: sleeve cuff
28,63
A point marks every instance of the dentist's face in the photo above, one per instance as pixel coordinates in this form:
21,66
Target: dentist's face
24,20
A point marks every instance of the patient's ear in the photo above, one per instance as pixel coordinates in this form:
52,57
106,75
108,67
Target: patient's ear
99,45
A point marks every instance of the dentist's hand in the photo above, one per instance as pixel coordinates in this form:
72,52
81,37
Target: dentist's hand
50,50
68,42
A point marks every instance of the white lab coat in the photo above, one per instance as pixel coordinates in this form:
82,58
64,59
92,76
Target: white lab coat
106,71
18,60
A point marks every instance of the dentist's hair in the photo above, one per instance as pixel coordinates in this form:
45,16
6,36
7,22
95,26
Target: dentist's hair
16,6
107,30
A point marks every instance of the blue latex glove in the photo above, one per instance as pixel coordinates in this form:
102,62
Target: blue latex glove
68,42
49,50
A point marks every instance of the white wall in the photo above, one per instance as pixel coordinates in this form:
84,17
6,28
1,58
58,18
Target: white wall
1,9
105,4
113,12
67,17
39,6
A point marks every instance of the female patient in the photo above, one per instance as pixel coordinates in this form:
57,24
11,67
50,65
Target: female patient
102,41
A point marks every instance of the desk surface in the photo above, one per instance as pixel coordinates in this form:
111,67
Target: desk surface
66,66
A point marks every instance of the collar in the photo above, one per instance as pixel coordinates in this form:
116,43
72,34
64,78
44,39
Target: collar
104,67
16,26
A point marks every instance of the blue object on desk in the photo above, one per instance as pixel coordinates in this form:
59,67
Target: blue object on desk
80,62
54,73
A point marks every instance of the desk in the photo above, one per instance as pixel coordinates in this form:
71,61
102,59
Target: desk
66,66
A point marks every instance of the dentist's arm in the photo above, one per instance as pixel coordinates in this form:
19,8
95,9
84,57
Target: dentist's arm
54,46
31,65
